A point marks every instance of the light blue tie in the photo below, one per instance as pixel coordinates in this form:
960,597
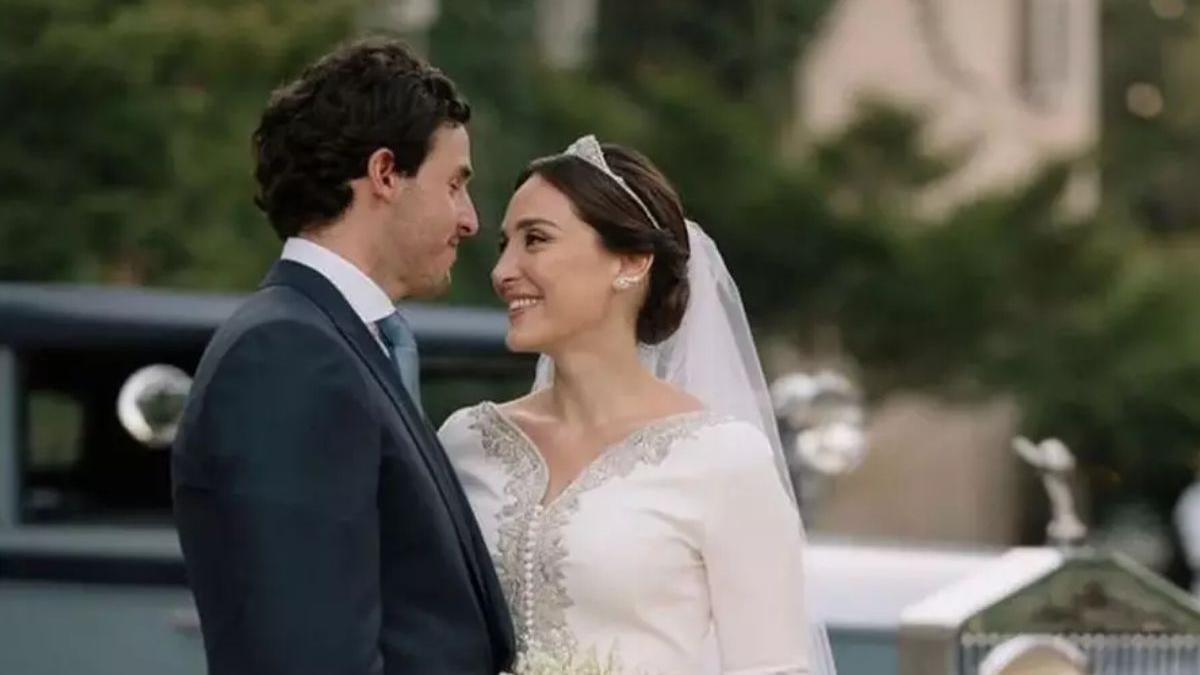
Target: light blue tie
402,345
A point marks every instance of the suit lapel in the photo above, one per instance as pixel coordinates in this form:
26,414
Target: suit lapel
330,300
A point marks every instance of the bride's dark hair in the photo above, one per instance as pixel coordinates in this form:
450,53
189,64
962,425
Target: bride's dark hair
623,227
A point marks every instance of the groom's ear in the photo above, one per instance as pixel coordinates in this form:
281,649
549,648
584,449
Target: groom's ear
383,177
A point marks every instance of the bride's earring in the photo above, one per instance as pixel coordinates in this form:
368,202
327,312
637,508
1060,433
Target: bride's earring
624,283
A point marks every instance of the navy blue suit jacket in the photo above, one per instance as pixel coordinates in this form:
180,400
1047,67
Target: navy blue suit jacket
323,530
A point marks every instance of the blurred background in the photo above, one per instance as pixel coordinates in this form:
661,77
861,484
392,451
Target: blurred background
983,214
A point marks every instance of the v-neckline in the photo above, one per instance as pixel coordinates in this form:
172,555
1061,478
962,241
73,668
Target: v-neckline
545,501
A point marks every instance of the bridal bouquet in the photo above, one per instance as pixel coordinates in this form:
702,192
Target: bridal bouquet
543,663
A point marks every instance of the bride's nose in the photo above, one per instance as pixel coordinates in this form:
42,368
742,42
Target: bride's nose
505,271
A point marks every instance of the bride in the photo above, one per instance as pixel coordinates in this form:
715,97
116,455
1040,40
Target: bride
635,503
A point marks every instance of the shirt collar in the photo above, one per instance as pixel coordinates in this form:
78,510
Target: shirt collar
365,296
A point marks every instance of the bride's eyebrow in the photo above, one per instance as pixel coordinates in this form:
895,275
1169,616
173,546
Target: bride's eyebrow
526,223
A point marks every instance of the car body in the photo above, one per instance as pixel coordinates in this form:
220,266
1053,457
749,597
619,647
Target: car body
91,574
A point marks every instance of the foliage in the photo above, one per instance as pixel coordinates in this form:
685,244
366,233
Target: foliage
1150,159
126,160
125,157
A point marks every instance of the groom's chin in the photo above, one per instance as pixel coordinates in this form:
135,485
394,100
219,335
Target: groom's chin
436,288
442,287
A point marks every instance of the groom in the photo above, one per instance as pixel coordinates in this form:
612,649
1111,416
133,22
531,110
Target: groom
323,528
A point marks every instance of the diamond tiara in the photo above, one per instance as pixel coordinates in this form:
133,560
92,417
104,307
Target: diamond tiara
588,149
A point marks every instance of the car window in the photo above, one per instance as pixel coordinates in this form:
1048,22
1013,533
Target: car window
80,465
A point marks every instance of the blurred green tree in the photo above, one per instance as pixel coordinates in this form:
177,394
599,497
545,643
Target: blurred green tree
1151,114
126,159
126,153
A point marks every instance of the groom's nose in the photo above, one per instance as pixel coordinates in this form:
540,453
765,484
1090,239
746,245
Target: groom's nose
468,220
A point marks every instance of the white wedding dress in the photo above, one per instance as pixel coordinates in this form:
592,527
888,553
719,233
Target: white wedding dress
679,534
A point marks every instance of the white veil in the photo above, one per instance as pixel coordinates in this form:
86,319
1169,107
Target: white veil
712,356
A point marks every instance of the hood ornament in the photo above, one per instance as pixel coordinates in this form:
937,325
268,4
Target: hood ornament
1056,466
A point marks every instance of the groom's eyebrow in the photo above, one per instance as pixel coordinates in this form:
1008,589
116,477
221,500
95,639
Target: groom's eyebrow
465,172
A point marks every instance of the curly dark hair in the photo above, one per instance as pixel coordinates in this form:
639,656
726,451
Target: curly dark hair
624,228
317,132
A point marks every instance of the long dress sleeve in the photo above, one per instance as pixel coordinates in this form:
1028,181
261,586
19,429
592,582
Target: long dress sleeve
753,555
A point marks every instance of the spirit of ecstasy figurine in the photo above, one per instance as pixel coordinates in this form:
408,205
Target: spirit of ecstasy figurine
1055,463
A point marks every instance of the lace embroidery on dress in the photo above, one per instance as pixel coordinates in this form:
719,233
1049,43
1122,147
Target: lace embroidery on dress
525,473
531,551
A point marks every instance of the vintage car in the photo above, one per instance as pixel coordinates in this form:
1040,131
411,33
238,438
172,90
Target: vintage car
92,581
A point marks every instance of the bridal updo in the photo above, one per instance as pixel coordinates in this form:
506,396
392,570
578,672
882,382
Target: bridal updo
624,228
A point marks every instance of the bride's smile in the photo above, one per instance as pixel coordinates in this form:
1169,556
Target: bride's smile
518,305
558,279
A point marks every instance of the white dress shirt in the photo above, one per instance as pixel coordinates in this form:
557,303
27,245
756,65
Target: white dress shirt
365,296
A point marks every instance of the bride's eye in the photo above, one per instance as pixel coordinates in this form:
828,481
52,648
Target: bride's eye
534,238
